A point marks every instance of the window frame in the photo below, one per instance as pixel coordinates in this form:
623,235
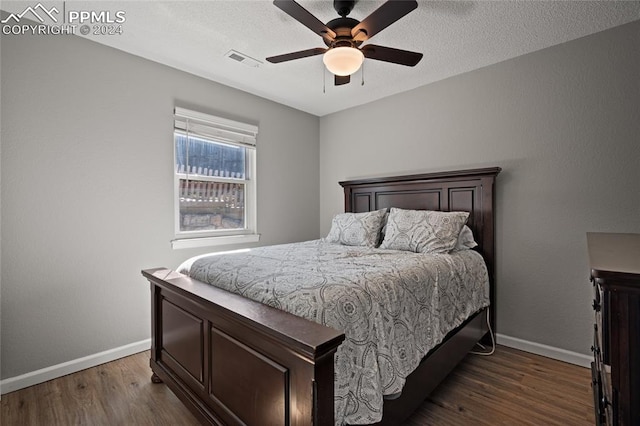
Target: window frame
228,132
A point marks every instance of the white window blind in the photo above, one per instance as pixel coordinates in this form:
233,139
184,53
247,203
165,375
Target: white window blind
209,126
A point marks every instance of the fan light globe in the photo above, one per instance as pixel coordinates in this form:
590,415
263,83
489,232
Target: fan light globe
343,61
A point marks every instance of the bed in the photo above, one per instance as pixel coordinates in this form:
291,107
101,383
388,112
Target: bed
233,360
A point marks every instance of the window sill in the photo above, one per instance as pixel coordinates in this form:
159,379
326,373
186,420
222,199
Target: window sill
214,241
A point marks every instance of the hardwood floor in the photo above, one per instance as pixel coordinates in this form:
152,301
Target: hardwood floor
508,388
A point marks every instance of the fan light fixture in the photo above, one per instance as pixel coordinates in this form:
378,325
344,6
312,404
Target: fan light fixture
343,60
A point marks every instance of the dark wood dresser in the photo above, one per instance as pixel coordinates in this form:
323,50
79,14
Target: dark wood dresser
615,271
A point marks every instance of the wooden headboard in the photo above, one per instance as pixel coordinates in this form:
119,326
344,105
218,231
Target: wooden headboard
464,190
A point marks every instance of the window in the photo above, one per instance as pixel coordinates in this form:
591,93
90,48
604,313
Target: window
215,180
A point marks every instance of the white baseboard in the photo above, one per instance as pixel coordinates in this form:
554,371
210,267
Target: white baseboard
39,376
544,350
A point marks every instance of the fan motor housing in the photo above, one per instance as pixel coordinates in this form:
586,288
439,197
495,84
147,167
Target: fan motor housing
342,27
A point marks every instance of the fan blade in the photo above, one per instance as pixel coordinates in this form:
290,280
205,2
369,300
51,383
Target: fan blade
339,80
305,17
381,18
389,54
296,55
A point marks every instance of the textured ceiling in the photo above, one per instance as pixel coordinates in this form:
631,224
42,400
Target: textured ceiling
454,36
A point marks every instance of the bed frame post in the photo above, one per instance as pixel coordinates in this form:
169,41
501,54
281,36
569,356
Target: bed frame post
488,244
155,326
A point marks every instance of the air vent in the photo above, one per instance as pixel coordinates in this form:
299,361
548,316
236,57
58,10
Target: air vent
242,58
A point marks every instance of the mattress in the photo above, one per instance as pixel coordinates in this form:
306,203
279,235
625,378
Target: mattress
393,306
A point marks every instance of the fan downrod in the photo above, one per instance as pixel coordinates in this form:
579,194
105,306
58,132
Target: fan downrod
343,7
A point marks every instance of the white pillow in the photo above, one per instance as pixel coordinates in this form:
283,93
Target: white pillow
357,229
423,231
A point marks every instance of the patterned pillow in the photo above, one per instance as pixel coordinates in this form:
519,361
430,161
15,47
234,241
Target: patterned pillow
423,231
357,229
465,240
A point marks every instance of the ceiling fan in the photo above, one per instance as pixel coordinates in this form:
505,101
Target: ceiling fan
343,36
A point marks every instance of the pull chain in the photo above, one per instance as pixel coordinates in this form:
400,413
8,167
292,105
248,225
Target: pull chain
362,74
324,79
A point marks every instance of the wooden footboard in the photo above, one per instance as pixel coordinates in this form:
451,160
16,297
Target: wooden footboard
234,361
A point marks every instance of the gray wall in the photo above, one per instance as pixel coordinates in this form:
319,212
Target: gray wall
563,123
87,190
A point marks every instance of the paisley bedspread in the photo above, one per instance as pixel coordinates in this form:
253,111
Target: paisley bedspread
393,306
